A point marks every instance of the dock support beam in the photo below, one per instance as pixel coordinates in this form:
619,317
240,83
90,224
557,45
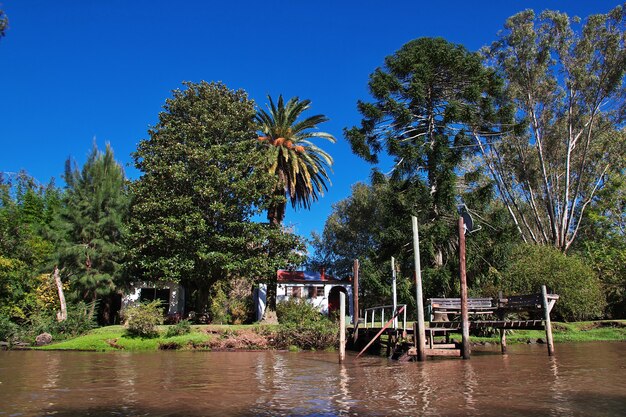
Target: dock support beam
546,320
355,301
342,327
420,333
503,340
465,347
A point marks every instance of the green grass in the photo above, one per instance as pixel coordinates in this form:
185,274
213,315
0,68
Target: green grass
111,338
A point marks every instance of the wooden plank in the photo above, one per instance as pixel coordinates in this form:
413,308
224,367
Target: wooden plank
442,352
444,346
381,331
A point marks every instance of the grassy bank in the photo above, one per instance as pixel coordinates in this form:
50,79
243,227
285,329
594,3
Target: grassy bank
584,331
254,337
209,337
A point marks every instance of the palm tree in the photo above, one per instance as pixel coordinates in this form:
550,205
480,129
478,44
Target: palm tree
299,165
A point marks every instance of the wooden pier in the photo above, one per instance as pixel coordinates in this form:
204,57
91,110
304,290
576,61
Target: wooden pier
445,318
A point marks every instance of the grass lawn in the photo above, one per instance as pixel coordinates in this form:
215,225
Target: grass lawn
112,338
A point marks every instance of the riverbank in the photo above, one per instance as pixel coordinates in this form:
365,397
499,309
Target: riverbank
264,337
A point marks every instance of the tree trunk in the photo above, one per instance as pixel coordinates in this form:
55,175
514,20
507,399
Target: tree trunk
61,315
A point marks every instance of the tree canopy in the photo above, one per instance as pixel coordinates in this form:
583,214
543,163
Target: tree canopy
203,179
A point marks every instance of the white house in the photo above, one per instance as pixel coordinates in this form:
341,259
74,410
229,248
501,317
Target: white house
319,289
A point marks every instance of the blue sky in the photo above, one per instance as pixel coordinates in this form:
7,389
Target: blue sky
74,70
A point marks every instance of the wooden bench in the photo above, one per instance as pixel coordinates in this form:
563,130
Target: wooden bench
445,306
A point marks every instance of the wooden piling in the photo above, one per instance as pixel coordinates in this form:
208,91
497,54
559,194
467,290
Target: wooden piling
355,300
420,334
464,315
546,320
342,327
503,340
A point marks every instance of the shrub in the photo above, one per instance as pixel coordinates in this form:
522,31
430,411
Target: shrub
297,311
8,329
179,329
568,276
302,325
142,320
219,305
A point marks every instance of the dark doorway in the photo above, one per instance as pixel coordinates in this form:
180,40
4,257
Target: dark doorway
333,299
109,308
151,294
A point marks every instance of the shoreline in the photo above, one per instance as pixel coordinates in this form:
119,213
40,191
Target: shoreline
259,337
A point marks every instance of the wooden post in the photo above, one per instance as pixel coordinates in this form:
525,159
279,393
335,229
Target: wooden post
342,327
420,334
355,301
464,316
546,320
393,288
503,340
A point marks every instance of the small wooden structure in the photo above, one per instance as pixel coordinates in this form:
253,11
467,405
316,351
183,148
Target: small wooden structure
482,309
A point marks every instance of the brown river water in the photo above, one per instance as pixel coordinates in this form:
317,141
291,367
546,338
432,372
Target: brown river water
581,379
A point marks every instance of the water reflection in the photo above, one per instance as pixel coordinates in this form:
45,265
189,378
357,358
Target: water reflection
523,382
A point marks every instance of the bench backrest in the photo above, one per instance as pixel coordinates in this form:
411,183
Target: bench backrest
455,303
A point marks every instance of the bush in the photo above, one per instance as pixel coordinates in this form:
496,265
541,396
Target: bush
302,325
219,305
297,311
142,320
579,288
179,329
8,329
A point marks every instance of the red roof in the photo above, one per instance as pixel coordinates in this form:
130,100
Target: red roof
305,277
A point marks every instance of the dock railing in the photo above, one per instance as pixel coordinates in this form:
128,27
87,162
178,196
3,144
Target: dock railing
373,313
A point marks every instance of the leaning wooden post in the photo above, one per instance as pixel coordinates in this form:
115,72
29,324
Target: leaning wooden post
342,327
546,320
355,300
464,316
420,334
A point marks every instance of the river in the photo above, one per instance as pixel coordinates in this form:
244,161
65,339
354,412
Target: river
581,379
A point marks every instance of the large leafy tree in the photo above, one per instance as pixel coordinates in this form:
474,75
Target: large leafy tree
203,179
427,96
27,210
300,167
566,82
90,231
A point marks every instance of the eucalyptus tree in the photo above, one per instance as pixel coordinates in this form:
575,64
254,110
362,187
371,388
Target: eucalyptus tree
301,168
566,81
427,98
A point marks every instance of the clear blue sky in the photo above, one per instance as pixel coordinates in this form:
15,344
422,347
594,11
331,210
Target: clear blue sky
72,70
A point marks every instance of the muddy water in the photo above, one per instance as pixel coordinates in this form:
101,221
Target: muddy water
582,379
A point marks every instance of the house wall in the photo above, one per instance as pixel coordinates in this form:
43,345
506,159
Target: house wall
177,295
321,302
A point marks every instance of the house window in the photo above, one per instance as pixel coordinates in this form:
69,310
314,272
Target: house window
296,292
315,291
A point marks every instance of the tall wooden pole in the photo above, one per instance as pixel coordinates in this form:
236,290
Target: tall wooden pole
420,334
464,316
355,292
546,320
393,288
342,327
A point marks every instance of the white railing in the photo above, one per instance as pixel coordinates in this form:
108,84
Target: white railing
371,315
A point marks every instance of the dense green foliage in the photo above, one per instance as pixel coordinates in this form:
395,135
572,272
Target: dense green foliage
181,328
142,319
532,266
90,230
300,167
203,178
303,326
